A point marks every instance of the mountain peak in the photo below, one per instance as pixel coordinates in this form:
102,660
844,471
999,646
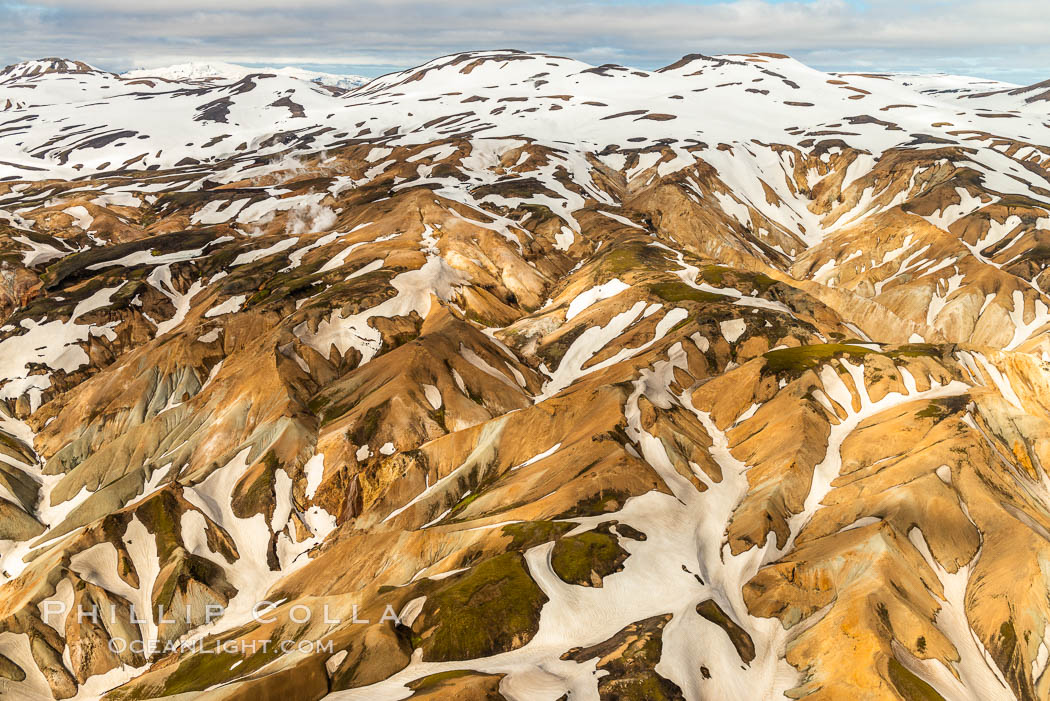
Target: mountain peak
42,66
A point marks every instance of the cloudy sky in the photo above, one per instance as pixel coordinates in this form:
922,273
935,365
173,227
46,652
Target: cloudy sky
1003,39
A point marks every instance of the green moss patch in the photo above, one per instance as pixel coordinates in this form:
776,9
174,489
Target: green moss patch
494,607
160,514
801,358
722,276
634,256
586,558
201,671
529,534
678,291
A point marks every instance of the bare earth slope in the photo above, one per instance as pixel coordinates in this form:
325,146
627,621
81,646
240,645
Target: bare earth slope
725,381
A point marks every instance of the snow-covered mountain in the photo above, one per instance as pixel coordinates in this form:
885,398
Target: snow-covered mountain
946,84
525,379
218,70
44,66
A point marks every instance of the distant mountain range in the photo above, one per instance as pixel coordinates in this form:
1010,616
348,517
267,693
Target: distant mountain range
217,70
